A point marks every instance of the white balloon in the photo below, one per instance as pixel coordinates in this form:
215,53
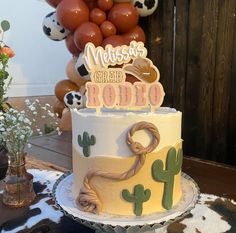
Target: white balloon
81,69
145,7
52,28
74,99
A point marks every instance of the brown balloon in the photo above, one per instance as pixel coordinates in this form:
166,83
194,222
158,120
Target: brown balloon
72,74
66,122
136,34
70,44
124,16
115,41
97,16
108,29
105,5
63,87
58,108
53,3
88,32
72,13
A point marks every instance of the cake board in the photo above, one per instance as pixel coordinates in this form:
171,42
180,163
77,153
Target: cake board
104,223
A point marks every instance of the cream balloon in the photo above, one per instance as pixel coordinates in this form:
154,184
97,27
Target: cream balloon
65,122
72,74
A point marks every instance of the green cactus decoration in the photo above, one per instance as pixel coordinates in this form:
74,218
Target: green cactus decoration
86,142
173,167
140,195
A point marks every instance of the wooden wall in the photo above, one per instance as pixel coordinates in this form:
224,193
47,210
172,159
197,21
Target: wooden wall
193,43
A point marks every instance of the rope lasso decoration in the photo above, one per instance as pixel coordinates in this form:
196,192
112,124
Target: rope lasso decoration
88,199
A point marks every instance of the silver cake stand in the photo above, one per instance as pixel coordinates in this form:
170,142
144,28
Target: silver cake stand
62,192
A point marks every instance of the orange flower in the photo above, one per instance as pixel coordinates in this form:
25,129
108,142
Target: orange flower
7,51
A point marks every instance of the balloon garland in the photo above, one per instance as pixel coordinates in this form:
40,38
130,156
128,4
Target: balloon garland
101,22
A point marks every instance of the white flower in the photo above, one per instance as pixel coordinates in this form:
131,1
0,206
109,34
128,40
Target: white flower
32,108
21,118
11,110
16,131
27,121
27,101
13,118
51,114
2,129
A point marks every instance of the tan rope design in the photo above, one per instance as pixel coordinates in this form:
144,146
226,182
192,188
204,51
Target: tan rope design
88,199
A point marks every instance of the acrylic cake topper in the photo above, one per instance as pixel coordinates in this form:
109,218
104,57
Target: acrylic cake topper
108,86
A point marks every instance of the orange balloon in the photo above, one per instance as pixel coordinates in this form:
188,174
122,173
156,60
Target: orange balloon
58,107
108,29
105,4
53,3
70,44
124,16
115,41
97,16
63,87
91,4
72,74
88,32
66,122
136,34
72,13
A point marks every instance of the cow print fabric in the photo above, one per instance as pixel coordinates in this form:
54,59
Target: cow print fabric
211,214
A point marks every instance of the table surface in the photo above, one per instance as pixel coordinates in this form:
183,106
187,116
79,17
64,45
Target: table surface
212,178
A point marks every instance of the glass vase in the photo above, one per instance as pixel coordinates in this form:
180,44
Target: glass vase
18,184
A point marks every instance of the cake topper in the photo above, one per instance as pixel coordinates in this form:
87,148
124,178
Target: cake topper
108,69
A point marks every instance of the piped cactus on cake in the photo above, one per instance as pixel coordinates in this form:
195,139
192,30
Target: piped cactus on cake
173,167
86,143
138,198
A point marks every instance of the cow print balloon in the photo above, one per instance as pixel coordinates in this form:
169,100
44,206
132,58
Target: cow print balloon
74,99
81,69
145,7
52,28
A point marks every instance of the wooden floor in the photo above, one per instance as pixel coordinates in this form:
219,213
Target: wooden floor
53,148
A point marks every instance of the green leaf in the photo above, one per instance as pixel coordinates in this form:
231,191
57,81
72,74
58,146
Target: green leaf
3,74
5,25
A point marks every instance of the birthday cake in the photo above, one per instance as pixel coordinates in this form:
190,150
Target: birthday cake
127,150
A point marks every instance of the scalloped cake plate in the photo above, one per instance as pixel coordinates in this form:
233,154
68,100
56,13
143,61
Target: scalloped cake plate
62,193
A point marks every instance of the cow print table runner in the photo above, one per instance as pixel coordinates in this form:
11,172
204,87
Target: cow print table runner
212,214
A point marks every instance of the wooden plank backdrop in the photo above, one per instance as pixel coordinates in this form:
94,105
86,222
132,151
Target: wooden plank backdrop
193,43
